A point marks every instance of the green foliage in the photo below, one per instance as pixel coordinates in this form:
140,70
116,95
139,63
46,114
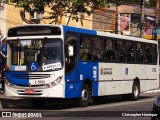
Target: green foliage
152,3
73,7
61,7
32,6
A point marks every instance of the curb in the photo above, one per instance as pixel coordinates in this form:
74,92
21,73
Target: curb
152,91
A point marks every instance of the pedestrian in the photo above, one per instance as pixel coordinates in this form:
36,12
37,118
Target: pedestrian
2,70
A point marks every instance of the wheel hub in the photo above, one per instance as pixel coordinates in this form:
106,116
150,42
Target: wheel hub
136,91
84,94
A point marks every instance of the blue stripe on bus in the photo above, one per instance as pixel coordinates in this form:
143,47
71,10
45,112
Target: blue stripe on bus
79,30
18,78
83,71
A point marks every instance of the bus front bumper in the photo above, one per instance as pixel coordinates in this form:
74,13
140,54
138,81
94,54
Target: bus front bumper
53,92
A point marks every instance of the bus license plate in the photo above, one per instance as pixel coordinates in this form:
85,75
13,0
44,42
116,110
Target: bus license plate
29,91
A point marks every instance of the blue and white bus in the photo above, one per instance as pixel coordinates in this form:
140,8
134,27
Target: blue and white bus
54,61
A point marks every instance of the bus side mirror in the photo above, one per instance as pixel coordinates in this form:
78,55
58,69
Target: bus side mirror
70,50
3,51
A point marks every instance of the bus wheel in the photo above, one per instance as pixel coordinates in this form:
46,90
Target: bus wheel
135,91
38,103
85,96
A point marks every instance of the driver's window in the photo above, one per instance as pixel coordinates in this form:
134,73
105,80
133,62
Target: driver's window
14,52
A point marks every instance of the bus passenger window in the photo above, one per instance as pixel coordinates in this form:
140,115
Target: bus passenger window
98,49
83,54
148,58
148,54
109,55
120,57
155,59
139,55
109,50
154,53
148,48
121,51
87,42
123,46
130,57
109,44
98,55
130,52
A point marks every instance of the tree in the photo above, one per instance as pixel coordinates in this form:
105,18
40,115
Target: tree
60,8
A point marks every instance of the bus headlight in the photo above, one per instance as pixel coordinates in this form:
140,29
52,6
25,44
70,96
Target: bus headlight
55,82
10,84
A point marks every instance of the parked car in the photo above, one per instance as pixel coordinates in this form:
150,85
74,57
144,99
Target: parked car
156,109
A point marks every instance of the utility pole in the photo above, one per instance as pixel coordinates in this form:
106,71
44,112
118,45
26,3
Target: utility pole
157,15
142,19
116,20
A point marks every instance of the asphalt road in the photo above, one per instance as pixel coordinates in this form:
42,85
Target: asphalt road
107,108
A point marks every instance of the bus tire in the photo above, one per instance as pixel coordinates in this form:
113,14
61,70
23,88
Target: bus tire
85,96
135,91
38,103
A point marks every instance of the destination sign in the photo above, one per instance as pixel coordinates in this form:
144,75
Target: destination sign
33,31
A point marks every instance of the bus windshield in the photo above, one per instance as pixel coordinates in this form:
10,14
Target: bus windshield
35,55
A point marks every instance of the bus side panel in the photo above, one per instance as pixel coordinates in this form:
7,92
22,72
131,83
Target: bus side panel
106,78
151,81
128,74
75,80
114,77
141,74
109,75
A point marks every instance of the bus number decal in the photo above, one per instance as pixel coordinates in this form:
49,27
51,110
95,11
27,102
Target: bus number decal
95,72
39,82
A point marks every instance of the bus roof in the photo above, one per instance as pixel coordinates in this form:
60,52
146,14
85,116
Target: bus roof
92,32
112,35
